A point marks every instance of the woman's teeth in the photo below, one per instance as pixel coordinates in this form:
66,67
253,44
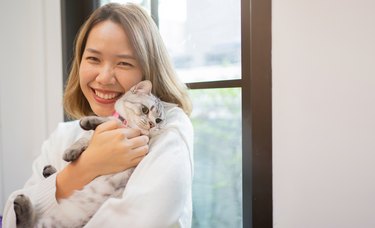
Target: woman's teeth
107,96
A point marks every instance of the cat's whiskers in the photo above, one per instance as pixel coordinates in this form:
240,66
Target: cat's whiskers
143,123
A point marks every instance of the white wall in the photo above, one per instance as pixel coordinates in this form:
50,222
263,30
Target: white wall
30,85
324,113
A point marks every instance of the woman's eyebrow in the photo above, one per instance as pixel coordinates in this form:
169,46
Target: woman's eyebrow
125,56
93,50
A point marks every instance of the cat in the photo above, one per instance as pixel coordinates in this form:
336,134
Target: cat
138,108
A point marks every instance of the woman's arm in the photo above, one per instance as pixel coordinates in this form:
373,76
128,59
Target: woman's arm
112,149
158,193
39,189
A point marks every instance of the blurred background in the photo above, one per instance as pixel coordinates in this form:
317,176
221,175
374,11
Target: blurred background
323,96
201,51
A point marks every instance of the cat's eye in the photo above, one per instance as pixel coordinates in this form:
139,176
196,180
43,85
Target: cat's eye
145,110
158,120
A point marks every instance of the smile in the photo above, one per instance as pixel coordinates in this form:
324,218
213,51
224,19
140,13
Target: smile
106,96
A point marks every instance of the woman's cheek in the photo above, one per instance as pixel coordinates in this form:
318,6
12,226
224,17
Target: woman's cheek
87,73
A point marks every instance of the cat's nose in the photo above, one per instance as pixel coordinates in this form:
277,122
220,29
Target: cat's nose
151,124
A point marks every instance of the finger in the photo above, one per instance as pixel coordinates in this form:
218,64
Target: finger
131,133
137,141
140,151
137,160
124,134
109,125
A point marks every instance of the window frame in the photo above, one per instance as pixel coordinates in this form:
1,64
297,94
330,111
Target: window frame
256,92
256,29
256,86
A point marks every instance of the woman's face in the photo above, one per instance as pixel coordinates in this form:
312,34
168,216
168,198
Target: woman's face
108,67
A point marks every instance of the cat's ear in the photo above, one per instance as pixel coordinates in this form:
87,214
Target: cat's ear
142,87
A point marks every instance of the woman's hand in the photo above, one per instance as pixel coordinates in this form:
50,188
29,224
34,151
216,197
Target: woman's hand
113,148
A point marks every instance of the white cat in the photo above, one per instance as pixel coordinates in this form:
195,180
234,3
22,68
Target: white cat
138,108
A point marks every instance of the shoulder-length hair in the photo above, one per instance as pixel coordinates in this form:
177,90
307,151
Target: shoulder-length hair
149,50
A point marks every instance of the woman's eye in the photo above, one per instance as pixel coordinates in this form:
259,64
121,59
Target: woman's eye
125,64
145,109
158,120
92,59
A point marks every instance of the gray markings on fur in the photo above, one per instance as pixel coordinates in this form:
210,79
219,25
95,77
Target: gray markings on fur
23,208
73,152
48,171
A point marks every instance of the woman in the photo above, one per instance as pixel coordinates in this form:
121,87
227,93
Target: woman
117,47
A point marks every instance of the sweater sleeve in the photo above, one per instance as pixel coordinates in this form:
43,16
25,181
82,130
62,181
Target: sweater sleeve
40,190
158,194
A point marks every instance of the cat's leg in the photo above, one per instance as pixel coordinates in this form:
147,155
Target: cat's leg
48,170
25,215
75,150
91,122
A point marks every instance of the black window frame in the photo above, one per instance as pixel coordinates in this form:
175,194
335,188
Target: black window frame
256,86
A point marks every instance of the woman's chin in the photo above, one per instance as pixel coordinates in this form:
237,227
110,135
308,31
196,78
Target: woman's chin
104,111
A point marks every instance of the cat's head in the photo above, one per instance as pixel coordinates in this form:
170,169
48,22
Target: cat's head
141,109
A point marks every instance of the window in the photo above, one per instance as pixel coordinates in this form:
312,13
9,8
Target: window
203,51
222,50
217,186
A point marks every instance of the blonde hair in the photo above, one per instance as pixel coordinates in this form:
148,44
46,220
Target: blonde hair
150,52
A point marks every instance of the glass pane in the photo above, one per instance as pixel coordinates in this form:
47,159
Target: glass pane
217,187
203,38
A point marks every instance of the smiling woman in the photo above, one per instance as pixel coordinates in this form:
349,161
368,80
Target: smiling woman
108,67
161,183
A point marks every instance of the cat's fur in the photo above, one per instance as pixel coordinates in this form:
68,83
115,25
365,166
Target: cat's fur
141,110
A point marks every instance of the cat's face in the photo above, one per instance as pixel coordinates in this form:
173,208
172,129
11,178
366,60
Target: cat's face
141,109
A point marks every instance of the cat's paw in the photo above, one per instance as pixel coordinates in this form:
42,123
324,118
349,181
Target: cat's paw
23,209
91,122
75,150
48,170
72,154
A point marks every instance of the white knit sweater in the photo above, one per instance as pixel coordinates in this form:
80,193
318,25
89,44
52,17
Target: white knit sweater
158,194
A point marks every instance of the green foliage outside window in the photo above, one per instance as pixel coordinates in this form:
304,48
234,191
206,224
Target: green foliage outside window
217,188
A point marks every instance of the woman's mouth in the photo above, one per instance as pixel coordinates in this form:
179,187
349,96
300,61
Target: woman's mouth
106,97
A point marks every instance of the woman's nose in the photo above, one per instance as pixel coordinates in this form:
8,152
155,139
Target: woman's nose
106,76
